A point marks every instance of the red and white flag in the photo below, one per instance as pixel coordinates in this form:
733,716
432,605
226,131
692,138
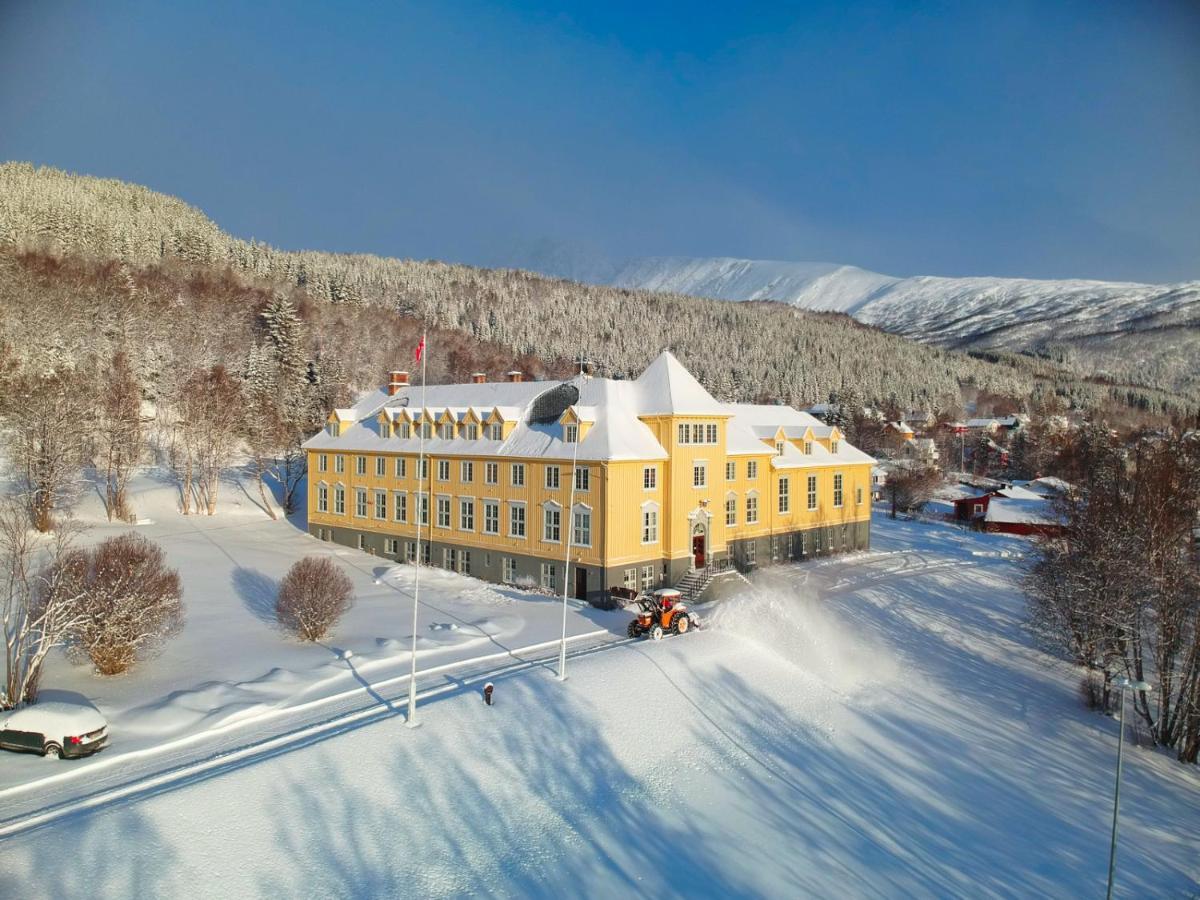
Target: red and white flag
420,351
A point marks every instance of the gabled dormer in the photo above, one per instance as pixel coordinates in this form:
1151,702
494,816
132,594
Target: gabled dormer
469,425
383,423
500,422
445,424
576,422
339,420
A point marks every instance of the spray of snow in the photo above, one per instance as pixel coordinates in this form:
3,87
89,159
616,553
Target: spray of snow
790,622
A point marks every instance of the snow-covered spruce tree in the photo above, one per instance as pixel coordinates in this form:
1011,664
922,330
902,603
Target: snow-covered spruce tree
129,601
313,595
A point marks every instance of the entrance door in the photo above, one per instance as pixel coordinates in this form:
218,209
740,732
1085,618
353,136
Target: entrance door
698,551
580,583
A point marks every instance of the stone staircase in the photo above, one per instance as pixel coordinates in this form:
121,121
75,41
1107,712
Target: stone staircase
692,584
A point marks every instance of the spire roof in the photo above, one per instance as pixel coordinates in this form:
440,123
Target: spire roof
666,388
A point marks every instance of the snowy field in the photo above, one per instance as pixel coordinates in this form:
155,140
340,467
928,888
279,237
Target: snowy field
876,725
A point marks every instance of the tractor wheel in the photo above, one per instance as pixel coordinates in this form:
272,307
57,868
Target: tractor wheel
633,630
681,624
656,633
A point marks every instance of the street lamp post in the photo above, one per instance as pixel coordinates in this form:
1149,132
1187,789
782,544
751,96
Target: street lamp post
1122,684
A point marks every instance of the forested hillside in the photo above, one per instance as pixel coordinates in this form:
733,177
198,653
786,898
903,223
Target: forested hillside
173,258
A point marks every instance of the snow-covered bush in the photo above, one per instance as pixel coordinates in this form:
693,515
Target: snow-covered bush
129,601
312,597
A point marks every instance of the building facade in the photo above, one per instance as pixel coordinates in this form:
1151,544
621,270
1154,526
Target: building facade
647,479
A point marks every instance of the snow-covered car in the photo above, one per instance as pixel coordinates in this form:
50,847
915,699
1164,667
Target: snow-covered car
54,729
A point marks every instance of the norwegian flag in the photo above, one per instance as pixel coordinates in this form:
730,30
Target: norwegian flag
420,351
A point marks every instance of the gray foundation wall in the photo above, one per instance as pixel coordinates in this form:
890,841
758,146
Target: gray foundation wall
488,564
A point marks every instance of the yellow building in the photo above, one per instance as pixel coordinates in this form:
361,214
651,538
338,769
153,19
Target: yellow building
669,485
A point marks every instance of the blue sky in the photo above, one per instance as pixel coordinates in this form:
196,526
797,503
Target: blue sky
1042,139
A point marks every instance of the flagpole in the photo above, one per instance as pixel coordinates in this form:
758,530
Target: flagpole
421,508
562,647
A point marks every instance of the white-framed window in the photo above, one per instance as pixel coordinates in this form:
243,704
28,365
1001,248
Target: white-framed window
495,432
583,479
360,502
699,474
466,471
752,469
472,432
360,465
650,478
518,474
423,475
785,500
423,508
685,433
731,510
491,473
391,546
751,508
552,478
549,576
649,524
833,446
750,555
426,432
466,514
322,462
648,577
426,553
339,463
406,433
838,481
804,543
582,524
339,500
380,466
410,551
731,470
508,569
697,433
858,495
362,542
570,433
808,448
450,558
401,467
629,577
774,548
516,520
464,562
812,492
552,523
446,431
443,470
443,512
491,516
322,497
779,448
381,505
710,433
400,506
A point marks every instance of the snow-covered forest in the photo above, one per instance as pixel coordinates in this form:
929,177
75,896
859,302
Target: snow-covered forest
174,254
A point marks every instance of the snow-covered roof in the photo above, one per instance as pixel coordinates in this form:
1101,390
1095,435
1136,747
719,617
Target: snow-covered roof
1021,511
668,389
614,409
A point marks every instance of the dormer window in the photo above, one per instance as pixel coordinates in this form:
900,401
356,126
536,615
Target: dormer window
571,433
446,431
405,430
495,432
426,430
385,430
833,445
779,448
332,428
472,432
808,448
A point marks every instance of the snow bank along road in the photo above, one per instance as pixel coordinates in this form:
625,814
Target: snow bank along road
871,726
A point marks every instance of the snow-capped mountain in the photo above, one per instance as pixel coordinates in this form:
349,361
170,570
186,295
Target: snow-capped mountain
1148,330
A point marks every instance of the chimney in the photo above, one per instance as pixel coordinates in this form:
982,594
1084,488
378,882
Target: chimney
478,378
396,380
515,375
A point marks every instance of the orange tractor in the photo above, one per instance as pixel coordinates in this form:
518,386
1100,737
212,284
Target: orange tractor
659,613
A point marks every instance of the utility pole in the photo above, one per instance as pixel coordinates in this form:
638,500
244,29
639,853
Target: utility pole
570,525
1123,684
